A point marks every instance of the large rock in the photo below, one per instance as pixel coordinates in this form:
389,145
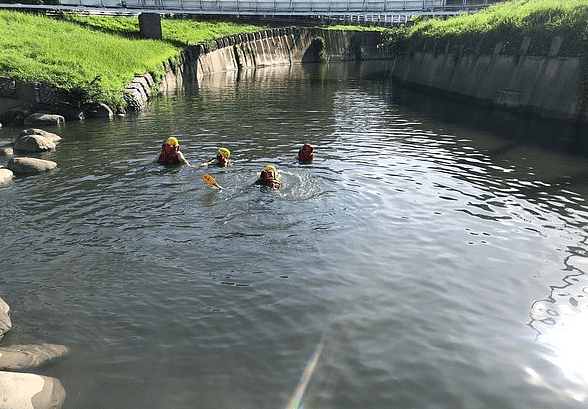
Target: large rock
5,175
44,119
34,143
101,110
30,391
6,151
30,165
53,137
25,390
6,148
36,140
16,357
5,323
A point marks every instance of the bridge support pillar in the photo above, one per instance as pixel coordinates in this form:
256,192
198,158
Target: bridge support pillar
150,25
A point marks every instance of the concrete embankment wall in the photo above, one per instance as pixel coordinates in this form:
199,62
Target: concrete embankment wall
530,75
271,47
544,76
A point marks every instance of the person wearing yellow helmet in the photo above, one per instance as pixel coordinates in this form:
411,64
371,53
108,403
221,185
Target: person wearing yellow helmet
270,177
170,153
222,158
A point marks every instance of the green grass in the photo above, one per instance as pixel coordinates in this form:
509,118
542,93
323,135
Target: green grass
518,17
97,56
177,31
190,32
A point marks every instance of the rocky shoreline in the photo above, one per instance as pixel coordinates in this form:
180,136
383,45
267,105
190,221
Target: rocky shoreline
31,141
23,390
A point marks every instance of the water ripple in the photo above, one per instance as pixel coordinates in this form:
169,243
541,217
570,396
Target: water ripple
415,248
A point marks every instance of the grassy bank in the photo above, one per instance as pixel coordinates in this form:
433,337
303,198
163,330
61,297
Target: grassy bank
514,18
180,32
94,57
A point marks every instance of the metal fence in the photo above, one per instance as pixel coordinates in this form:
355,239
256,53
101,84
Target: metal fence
387,12
285,7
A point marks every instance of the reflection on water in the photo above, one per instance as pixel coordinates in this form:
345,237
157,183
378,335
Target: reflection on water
413,250
560,321
561,318
521,130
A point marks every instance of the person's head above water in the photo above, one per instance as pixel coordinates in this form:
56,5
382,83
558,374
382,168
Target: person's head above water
224,152
222,155
270,177
172,141
306,154
221,159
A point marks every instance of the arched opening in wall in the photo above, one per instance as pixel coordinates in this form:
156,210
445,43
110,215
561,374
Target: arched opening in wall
315,52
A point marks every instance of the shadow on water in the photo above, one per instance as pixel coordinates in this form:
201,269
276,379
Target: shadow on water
521,129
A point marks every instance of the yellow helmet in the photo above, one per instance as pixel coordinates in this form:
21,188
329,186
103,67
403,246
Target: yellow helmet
172,141
224,152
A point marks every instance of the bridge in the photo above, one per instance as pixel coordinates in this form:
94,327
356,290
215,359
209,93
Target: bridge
383,12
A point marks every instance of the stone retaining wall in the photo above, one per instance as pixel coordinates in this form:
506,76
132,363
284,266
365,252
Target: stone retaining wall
529,75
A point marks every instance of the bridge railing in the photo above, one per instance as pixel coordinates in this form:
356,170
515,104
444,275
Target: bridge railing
272,6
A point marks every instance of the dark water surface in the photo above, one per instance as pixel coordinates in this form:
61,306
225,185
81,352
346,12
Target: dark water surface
440,263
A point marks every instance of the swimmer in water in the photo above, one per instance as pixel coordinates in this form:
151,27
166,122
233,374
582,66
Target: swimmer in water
270,177
306,154
170,153
222,159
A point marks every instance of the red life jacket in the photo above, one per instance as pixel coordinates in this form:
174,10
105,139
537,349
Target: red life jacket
169,154
306,154
222,161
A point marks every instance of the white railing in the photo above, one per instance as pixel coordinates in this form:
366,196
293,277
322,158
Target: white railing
378,11
271,6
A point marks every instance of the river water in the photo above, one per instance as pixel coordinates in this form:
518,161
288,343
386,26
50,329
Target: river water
436,254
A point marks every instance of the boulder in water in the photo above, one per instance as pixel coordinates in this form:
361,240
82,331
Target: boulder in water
101,110
5,323
36,140
30,391
44,119
27,165
5,175
16,357
6,151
